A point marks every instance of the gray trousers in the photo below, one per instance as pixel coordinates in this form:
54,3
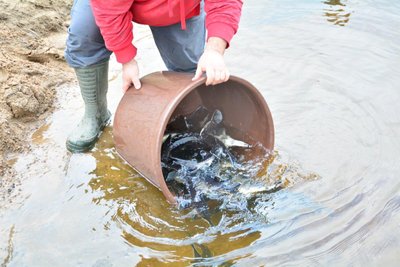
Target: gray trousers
179,49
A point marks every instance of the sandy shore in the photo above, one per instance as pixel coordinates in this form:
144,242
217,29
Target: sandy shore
32,66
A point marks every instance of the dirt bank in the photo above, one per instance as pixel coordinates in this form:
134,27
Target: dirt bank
32,66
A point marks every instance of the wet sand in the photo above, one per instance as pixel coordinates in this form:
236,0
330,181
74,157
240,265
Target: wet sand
32,66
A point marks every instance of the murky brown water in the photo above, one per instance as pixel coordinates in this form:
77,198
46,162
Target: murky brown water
330,72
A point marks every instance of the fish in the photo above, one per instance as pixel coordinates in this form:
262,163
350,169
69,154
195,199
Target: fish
200,252
251,189
230,142
213,125
192,122
199,202
197,156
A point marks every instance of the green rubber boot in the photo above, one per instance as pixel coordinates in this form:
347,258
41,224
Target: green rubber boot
93,82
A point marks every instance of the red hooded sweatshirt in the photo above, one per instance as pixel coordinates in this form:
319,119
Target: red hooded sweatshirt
114,18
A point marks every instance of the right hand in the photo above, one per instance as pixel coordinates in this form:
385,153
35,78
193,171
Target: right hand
130,75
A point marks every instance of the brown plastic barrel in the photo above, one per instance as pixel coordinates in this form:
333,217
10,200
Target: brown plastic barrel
142,116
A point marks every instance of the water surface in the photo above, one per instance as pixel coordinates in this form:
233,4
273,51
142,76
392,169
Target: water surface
330,72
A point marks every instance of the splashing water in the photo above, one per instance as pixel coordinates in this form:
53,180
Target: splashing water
202,164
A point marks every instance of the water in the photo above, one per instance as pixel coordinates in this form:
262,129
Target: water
330,73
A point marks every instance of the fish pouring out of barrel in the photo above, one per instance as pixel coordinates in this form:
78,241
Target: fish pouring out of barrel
200,161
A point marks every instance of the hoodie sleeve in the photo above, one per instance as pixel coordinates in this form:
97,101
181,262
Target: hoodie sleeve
222,18
115,22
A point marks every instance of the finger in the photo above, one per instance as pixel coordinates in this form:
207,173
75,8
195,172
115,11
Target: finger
217,77
136,83
227,75
223,76
125,85
198,74
210,76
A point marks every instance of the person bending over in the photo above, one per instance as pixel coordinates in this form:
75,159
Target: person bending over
101,27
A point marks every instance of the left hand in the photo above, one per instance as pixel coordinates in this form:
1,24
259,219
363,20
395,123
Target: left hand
212,62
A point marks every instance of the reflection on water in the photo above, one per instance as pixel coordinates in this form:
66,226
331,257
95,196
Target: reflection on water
336,12
146,220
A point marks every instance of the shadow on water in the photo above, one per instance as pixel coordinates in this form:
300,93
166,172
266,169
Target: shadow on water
336,12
